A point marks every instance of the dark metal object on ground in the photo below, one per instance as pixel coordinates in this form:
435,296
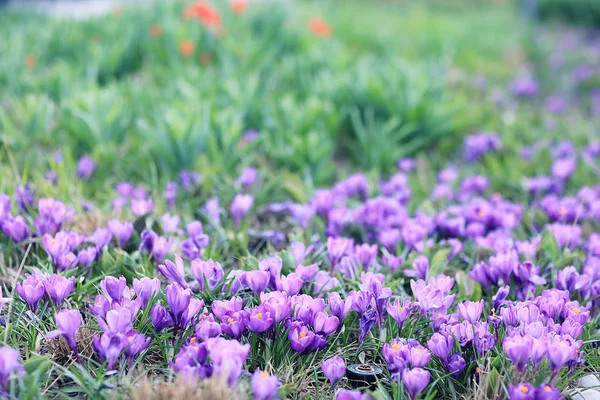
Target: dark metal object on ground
363,374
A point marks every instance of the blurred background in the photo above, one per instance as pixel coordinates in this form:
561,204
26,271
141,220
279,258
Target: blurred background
308,90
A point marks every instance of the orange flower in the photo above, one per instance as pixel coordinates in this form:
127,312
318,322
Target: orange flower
319,27
30,60
156,31
206,13
186,48
239,6
205,58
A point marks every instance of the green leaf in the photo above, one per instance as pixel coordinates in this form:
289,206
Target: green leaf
550,246
438,262
38,364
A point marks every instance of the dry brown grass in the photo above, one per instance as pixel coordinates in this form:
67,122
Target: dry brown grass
181,389
60,352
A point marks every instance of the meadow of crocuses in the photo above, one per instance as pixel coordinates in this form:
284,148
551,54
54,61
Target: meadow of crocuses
254,200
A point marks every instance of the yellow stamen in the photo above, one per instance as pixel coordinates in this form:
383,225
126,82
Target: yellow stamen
576,310
130,338
230,320
193,340
301,335
524,389
477,370
547,388
259,315
264,374
395,346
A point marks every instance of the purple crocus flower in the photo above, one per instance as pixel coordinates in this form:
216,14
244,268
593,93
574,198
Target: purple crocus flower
207,328
334,369
178,300
16,228
470,310
101,238
273,266
68,322
85,167
109,347
189,249
240,206
456,364
55,246
175,272
406,164
9,364
418,356
322,323
221,308
367,320
113,287
189,179
344,394
58,288
213,210
441,345
421,268
524,86
31,291
233,324
160,317
145,288
100,306
564,167
87,256
546,392
290,284
521,391
122,231
170,223
24,196
257,281
171,194
209,271
518,349
339,307
247,178
117,321
479,144
135,343
260,319
141,207
415,381
569,279
278,304
300,337
399,311
67,261
264,386
339,247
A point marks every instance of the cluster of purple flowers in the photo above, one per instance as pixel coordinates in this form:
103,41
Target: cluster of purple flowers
116,309
357,285
38,286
